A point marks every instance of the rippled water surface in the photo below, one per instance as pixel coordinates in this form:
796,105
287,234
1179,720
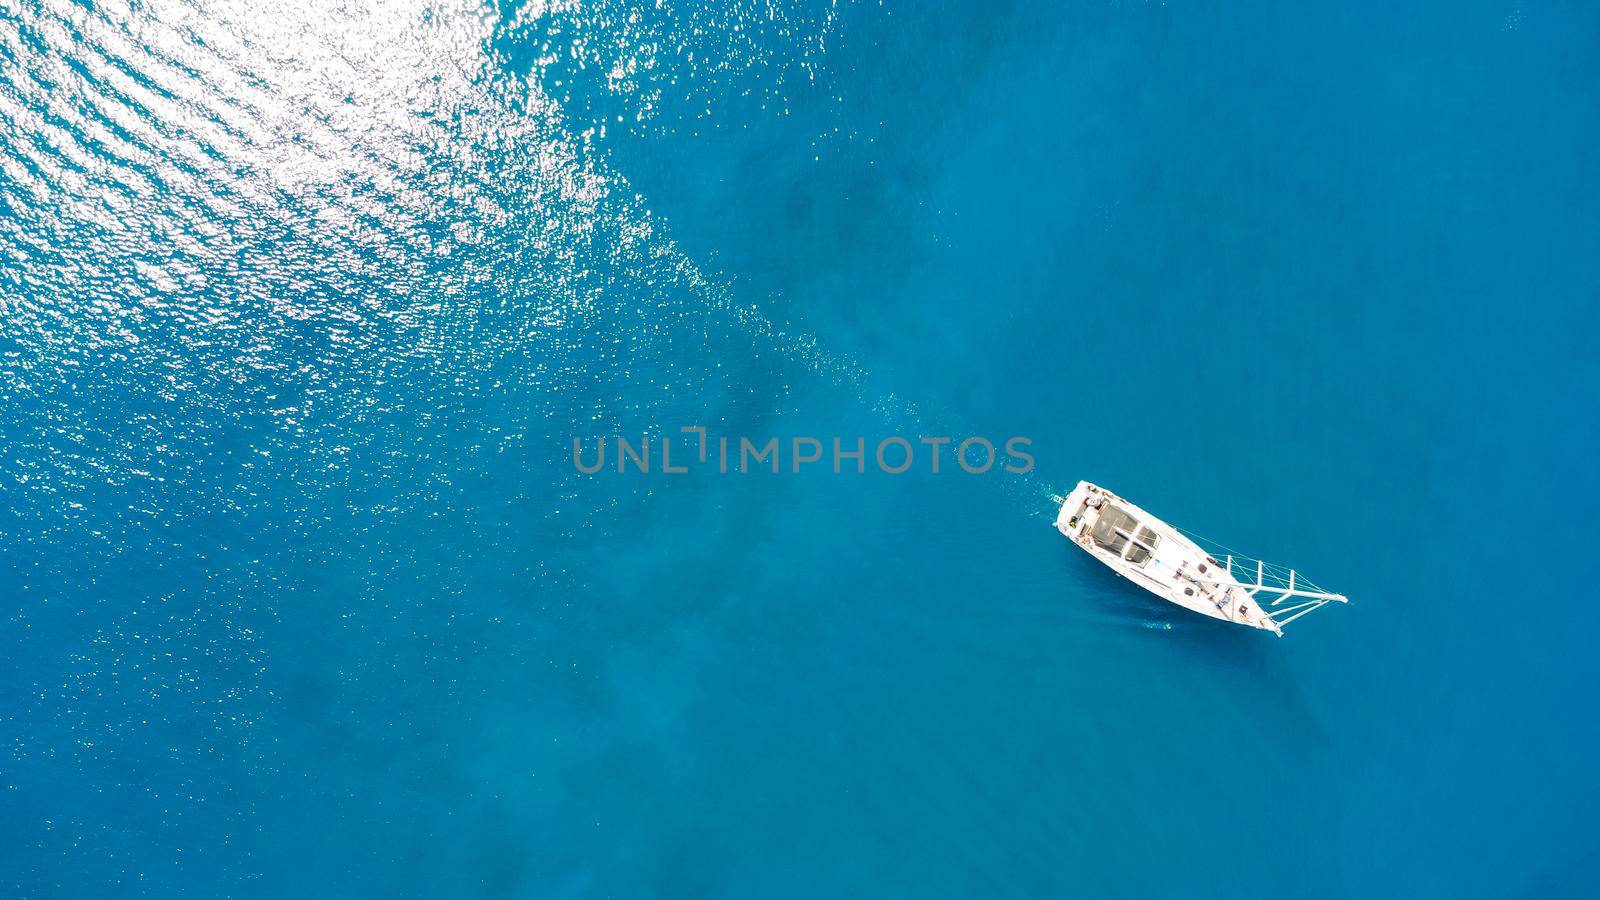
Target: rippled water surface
302,304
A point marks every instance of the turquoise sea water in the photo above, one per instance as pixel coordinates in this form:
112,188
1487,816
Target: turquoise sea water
300,310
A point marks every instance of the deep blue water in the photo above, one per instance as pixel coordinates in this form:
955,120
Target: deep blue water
300,312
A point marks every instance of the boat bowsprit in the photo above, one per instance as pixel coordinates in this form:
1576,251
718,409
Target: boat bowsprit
1165,561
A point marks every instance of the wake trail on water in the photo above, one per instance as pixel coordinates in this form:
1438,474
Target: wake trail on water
779,54
898,414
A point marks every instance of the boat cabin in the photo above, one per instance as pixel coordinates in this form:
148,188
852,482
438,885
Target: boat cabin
1120,533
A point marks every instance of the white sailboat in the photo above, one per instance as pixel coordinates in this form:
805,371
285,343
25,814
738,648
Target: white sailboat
1164,561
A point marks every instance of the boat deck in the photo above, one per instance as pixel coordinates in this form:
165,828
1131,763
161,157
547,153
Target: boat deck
1156,556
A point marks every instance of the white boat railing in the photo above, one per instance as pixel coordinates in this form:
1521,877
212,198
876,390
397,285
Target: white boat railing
1311,597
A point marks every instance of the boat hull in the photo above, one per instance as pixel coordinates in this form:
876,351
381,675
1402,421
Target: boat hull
1156,556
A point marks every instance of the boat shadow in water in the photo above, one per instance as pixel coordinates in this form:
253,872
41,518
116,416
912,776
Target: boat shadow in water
1253,657
1257,656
